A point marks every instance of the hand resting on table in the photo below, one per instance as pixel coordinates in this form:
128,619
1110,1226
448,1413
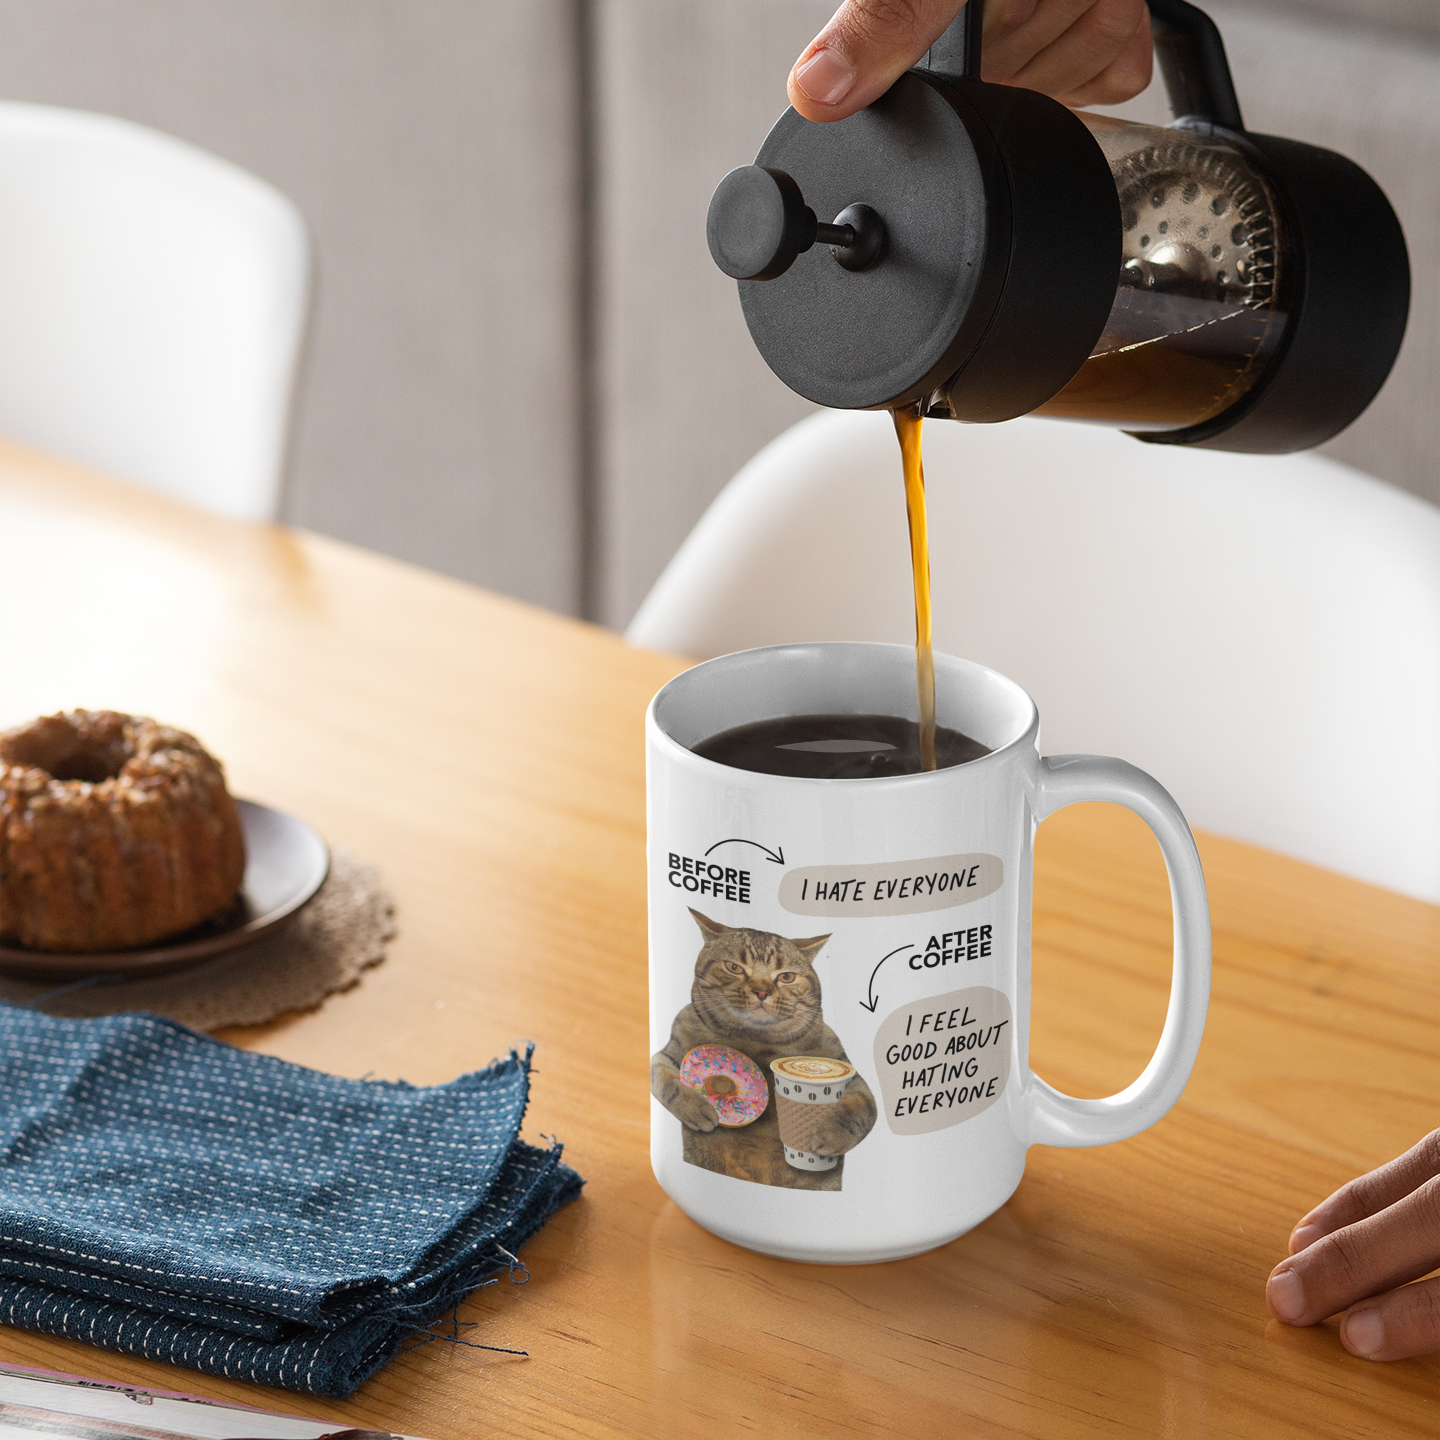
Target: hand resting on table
1082,52
1358,1250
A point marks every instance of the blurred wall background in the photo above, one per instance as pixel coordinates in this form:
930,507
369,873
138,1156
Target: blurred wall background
432,146
524,369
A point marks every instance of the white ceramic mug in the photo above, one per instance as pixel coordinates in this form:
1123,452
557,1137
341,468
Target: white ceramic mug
902,906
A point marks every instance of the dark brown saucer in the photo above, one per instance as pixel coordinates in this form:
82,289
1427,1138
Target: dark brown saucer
286,863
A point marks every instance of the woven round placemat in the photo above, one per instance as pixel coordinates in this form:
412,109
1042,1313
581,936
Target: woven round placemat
342,932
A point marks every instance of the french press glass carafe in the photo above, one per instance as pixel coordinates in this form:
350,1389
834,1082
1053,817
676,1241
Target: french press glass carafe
994,254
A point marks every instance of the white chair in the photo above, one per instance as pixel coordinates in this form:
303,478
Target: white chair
1260,633
152,303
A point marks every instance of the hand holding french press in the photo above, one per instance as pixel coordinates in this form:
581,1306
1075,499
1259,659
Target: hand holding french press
1081,52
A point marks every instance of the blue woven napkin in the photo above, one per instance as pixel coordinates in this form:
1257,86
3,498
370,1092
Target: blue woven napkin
169,1196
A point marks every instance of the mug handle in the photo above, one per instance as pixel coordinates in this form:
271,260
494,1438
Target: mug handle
1059,1119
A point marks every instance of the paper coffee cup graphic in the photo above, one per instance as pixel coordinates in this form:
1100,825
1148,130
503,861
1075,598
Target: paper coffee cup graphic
801,1083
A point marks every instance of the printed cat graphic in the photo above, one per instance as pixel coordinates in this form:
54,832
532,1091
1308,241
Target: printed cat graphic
757,993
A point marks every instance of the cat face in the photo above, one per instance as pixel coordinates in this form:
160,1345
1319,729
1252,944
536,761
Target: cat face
750,982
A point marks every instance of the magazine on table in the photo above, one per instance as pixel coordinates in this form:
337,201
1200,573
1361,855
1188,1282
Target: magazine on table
46,1403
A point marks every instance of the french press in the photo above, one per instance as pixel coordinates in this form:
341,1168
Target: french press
994,254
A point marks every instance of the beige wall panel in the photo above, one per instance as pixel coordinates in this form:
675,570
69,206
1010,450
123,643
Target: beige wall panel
431,147
688,89
1373,95
1419,16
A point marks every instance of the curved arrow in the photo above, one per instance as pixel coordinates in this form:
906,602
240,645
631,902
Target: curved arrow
776,856
870,989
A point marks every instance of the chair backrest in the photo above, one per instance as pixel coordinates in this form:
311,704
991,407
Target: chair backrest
1260,633
152,303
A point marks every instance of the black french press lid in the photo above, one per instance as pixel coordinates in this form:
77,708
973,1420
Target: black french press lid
982,249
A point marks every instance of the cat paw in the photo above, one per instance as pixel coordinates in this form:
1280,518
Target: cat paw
693,1110
839,1128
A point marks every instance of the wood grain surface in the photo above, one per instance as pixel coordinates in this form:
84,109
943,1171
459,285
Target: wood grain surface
489,758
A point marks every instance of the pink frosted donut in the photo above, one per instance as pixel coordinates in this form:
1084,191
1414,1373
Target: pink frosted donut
730,1081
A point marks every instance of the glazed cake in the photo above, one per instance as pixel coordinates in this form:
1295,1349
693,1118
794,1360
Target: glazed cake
115,832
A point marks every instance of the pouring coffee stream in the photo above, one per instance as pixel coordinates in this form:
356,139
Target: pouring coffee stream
908,425
993,254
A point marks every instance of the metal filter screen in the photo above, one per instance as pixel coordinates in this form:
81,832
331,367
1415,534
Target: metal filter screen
1196,315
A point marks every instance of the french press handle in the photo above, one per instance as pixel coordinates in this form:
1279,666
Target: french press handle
1187,45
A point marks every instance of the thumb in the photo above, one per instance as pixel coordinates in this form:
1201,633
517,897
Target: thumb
866,46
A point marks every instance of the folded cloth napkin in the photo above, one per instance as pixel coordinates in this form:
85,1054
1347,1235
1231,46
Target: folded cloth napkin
166,1195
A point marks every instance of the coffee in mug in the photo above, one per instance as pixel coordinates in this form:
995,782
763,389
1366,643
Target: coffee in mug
836,747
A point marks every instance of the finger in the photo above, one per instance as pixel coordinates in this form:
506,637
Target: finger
1396,1326
866,46
1016,31
1373,1255
1109,34
1123,79
1370,1193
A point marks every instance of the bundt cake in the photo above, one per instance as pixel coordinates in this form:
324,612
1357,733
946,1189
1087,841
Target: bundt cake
114,832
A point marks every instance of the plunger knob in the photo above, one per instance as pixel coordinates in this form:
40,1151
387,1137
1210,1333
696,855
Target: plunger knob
759,222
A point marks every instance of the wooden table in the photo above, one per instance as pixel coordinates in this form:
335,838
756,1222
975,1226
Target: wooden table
488,757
